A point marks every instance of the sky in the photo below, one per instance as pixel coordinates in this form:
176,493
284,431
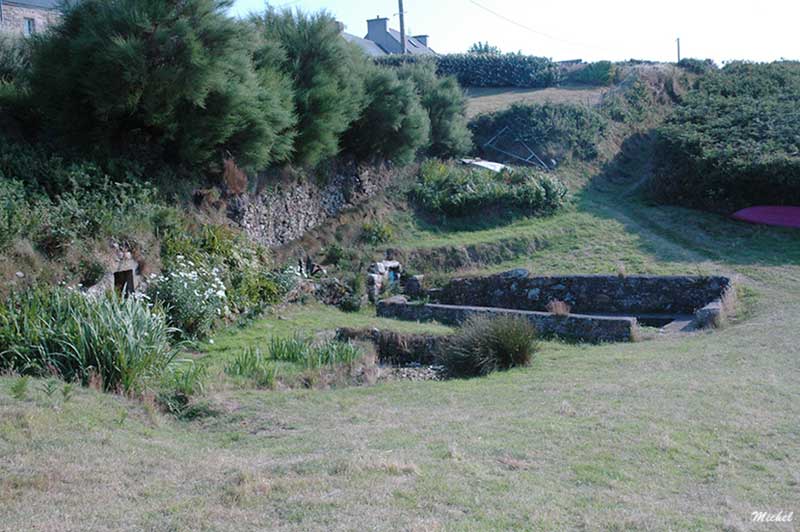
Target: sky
579,29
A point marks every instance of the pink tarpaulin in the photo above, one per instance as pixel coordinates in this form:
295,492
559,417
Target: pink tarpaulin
770,215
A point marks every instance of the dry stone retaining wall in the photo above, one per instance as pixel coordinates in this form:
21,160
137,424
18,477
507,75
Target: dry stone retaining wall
285,211
587,294
576,327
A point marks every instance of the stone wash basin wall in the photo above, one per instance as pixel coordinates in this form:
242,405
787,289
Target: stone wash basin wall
603,308
631,295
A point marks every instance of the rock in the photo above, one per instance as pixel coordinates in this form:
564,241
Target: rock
413,286
374,286
20,275
518,273
533,293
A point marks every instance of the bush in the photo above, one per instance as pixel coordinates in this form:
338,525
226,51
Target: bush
555,130
327,76
171,79
13,214
697,66
602,73
14,57
490,70
446,105
462,191
734,140
483,345
56,331
376,233
393,125
193,295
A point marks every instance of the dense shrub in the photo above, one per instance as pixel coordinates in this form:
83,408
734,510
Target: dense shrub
13,211
697,66
213,256
601,73
554,130
193,295
376,233
734,141
491,70
464,191
57,331
446,105
327,76
14,57
629,106
483,345
173,79
393,125
54,203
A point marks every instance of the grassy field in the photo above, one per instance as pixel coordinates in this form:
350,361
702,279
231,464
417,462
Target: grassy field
489,100
687,432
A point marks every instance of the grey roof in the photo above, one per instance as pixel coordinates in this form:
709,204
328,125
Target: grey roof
413,46
41,4
370,48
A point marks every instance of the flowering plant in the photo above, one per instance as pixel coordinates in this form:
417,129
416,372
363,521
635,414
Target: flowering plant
193,295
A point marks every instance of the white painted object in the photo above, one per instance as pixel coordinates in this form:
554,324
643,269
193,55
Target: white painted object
488,165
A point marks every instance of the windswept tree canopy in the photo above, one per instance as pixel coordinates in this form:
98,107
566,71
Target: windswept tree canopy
172,77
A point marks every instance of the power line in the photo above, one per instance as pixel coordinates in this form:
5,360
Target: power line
541,33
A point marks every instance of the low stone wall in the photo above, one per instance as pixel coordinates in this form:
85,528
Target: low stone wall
396,348
587,294
573,327
285,210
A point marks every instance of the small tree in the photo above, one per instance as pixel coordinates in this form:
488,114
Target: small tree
172,78
483,48
393,125
327,77
446,105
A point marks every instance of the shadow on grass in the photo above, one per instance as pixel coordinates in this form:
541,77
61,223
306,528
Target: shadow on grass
618,192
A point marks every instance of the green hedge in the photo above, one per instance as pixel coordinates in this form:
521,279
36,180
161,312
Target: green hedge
600,73
489,70
555,130
734,141
466,191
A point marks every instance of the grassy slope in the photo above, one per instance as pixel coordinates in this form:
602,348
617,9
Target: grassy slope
488,100
685,433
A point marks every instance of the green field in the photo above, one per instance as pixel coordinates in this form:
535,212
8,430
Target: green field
689,432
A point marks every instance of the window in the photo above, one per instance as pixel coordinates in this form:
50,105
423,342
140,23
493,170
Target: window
30,27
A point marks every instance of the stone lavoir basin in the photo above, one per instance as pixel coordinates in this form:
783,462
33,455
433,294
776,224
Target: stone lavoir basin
603,308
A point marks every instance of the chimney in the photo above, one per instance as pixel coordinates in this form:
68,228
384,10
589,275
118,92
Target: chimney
422,38
377,27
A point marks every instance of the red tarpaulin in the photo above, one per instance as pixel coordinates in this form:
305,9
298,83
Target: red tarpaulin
780,216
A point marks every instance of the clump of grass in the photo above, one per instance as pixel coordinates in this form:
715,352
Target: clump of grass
67,392
50,387
121,342
292,349
251,364
483,345
19,388
559,308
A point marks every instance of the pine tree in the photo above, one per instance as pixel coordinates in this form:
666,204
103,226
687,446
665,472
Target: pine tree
327,77
170,78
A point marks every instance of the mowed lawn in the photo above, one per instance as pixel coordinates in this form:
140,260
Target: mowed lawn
489,100
674,433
